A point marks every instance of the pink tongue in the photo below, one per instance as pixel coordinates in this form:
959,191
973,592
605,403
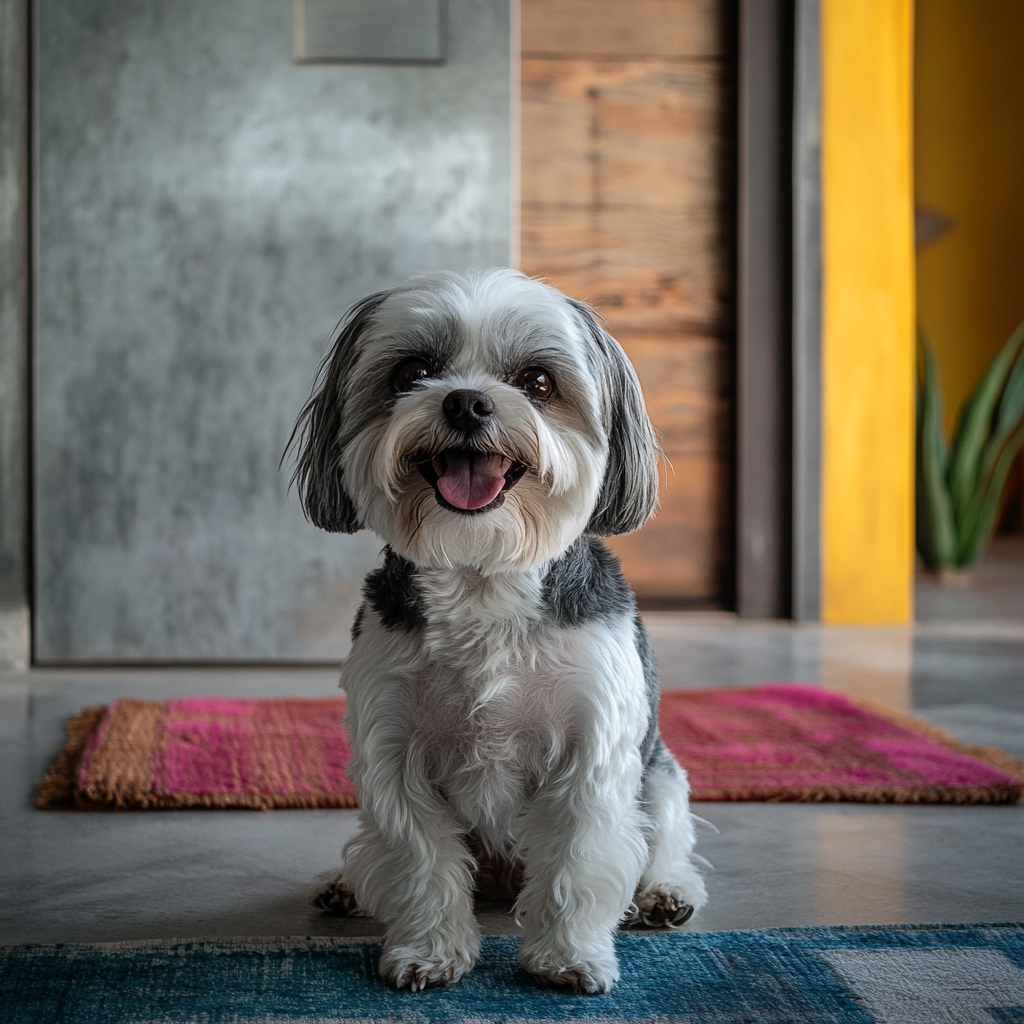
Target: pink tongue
470,480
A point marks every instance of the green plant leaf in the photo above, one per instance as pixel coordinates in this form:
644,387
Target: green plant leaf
975,423
1011,404
936,535
979,517
1008,418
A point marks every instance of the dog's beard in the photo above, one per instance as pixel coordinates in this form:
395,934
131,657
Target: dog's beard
529,528
504,499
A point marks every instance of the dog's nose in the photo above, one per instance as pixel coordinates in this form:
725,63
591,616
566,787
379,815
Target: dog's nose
467,409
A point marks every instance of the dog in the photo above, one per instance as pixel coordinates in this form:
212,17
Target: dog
502,692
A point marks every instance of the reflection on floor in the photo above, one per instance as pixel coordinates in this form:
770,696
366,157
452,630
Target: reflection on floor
93,877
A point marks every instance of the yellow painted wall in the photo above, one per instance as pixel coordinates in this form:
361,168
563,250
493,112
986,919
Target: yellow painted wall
868,312
969,163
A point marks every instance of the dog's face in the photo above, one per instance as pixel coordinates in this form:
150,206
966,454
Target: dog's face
479,420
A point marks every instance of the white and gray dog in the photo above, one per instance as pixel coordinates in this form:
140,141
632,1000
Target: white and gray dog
502,693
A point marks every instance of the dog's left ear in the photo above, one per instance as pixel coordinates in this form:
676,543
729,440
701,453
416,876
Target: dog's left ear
317,437
630,489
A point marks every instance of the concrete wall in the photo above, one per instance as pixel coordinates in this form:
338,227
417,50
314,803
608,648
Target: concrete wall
14,545
206,209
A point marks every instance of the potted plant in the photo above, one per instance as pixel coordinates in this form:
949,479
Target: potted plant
959,487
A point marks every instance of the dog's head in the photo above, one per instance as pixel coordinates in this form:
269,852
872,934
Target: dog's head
480,420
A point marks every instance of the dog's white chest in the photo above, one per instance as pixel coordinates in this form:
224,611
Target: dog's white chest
488,758
489,701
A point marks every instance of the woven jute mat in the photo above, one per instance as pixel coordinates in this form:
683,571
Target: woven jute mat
202,752
778,742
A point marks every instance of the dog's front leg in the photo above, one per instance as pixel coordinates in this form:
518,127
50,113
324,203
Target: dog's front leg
409,867
584,846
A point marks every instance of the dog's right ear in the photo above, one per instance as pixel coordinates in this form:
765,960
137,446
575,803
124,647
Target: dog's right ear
629,492
317,435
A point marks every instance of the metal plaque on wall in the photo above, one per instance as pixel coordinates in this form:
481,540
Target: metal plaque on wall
372,31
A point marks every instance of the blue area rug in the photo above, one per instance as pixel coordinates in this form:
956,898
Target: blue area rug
926,973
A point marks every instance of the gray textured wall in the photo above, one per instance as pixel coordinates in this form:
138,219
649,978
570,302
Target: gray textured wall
14,546
205,211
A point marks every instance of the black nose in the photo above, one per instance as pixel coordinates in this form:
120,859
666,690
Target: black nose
467,410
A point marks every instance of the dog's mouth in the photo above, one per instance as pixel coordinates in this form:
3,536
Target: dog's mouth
470,481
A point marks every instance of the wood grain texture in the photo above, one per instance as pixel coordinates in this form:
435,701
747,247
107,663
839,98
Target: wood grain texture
664,28
623,201
636,132
627,203
688,388
683,553
644,270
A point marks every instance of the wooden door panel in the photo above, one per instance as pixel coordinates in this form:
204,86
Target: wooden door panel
644,270
671,28
638,127
627,150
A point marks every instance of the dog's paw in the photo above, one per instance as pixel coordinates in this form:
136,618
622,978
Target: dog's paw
336,898
403,969
659,906
573,979
584,976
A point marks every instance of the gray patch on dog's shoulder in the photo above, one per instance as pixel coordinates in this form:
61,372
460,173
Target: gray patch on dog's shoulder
357,622
391,591
649,749
586,584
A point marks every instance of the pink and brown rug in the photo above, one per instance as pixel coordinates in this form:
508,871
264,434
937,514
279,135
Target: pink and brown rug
782,741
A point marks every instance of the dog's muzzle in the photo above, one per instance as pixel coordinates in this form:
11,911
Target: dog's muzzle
468,479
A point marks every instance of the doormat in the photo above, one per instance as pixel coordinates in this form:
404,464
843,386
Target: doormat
913,974
203,752
782,741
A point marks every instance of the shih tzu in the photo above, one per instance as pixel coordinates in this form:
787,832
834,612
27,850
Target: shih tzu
502,693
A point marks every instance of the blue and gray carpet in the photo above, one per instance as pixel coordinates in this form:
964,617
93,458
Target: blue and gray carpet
925,974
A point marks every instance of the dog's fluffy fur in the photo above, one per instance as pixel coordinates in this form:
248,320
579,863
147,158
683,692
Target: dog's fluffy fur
502,694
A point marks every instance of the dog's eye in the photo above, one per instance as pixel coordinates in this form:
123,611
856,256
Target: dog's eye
411,372
536,382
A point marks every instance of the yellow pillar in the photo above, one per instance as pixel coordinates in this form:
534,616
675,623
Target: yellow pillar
867,483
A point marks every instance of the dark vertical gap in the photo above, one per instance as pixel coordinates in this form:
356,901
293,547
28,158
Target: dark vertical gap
728,220
785,83
764,396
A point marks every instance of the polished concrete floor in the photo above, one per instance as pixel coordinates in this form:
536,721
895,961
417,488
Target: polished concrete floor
69,876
